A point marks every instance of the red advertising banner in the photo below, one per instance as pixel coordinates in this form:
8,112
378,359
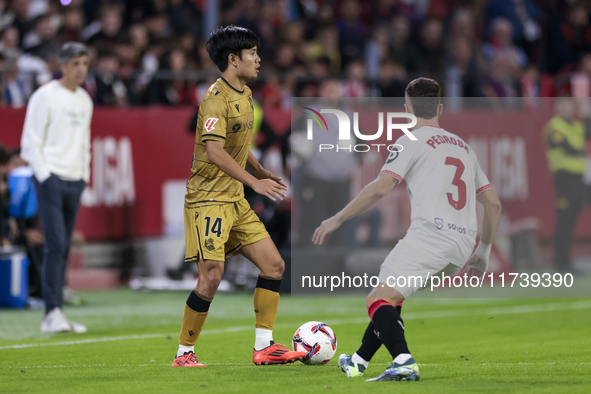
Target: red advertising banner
136,150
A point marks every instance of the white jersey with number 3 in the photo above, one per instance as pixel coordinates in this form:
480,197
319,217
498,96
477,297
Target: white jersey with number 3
443,178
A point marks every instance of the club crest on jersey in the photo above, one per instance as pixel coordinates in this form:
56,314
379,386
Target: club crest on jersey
209,244
210,124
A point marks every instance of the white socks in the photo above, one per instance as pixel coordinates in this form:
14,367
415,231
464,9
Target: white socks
358,360
402,358
263,338
183,349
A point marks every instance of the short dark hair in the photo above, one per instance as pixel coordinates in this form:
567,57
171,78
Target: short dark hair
227,40
425,97
70,50
4,155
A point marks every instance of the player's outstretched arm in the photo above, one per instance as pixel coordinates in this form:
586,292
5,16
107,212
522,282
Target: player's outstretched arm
367,198
260,172
478,262
218,156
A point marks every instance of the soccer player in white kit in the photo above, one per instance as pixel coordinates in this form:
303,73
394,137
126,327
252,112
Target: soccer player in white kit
444,182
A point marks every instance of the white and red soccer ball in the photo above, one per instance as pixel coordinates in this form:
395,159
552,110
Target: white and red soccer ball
318,340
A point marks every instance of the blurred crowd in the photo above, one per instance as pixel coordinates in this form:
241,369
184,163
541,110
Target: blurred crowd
153,51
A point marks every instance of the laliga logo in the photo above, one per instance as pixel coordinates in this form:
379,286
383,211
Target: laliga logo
345,129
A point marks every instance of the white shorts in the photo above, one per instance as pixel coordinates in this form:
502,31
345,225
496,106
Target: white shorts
409,265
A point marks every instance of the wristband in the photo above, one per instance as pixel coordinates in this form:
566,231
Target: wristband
483,251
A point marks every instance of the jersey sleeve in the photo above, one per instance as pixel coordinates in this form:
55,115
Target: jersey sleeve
214,118
400,160
481,181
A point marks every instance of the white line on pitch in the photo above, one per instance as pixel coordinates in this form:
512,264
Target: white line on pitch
406,316
250,365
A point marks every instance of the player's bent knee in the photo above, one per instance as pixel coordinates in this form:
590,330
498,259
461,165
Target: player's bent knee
274,270
210,277
208,285
280,268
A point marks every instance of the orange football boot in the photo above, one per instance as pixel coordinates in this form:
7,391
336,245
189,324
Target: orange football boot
276,353
187,360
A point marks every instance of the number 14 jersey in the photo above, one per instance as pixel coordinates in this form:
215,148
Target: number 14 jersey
443,178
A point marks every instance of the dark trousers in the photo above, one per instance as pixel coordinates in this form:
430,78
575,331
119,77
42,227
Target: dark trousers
59,201
569,203
320,200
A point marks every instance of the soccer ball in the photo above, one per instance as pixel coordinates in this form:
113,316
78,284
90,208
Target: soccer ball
318,340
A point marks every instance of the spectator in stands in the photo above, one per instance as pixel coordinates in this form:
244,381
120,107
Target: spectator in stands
73,23
106,33
376,51
383,11
14,92
530,86
577,32
393,79
9,43
463,26
402,51
110,90
186,44
56,144
319,68
462,76
354,84
499,85
522,15
285,58
172,89
3,101
301,35
157,25
580,81
430,50
40,41
138,34
326,44
129,57
293,33
184,17
352,32
21,21
501,43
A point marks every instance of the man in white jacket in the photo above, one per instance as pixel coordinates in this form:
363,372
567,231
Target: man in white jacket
56,144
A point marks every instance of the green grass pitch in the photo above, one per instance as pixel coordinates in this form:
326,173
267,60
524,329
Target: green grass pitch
461,345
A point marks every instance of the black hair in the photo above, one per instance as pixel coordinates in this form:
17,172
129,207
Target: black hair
4,155
227,40
425,96
323,60
14,152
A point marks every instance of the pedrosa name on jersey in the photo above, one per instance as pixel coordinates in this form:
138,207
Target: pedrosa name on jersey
344,131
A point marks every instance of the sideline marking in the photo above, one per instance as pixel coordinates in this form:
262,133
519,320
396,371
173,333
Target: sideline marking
407,316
